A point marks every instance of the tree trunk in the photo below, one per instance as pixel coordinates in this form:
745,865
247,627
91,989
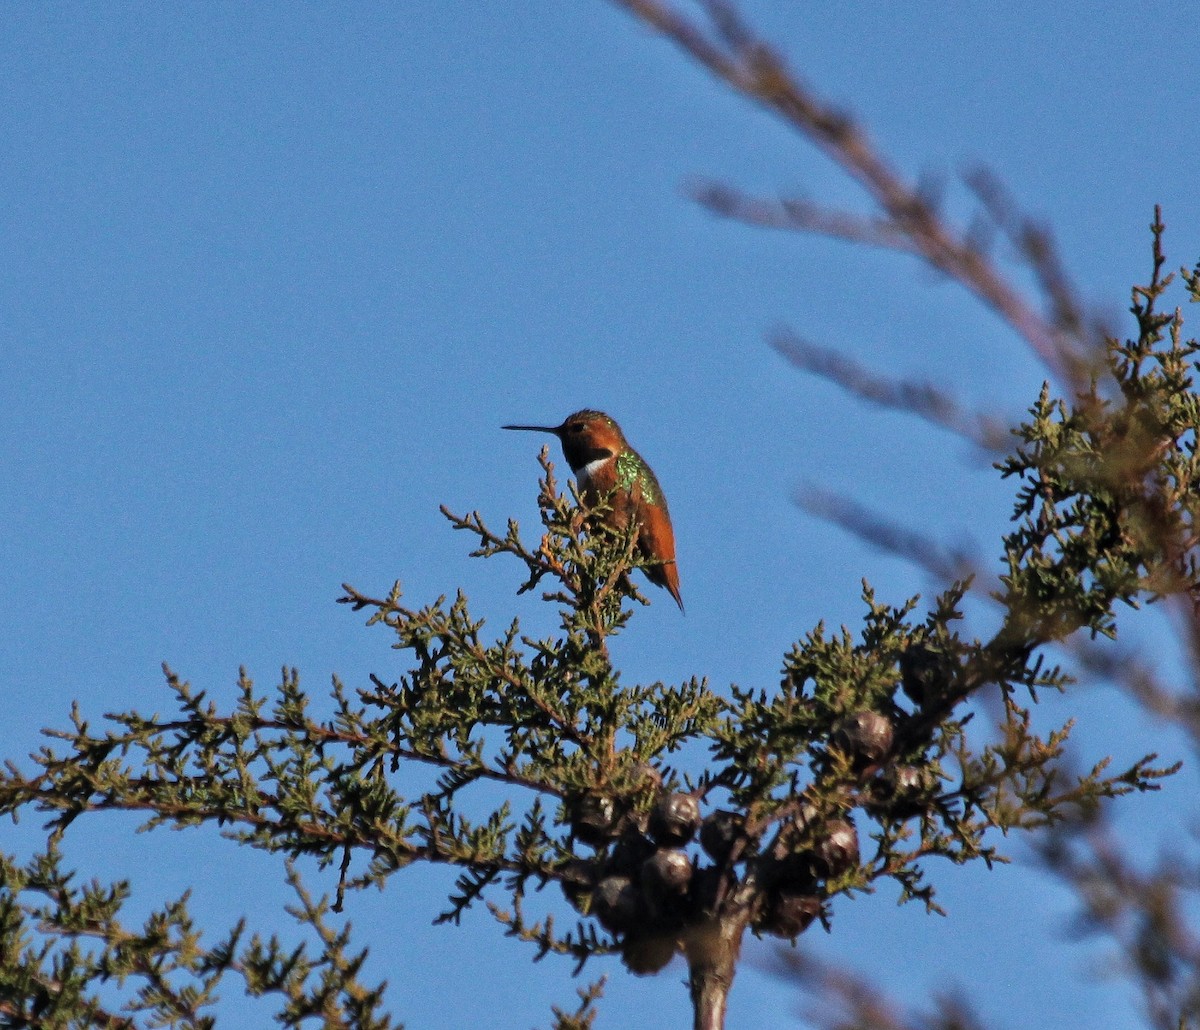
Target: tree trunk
712,950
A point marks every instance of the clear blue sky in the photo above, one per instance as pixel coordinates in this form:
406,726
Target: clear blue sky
274,275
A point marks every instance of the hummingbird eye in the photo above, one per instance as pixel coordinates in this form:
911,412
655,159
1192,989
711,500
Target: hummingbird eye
577,427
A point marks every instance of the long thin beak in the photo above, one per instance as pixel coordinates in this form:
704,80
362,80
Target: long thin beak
536,429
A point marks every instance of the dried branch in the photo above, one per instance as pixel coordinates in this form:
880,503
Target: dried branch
908,220
841,998
987,432
944,564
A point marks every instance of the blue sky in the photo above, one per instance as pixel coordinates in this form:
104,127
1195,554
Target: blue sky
274,275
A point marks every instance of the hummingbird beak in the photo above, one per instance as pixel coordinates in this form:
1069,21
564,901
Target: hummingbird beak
536,429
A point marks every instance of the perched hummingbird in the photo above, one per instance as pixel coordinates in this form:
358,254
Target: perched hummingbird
605,466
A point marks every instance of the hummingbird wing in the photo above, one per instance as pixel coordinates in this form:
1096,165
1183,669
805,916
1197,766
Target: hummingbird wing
656,541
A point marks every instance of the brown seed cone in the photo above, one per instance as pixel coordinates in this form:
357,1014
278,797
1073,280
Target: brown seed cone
808,850
925,673
838,850
594,819
646,956
903,791
789,914
618,904
667,874
630,851
674,819
719,832
866,736
645,775
577,882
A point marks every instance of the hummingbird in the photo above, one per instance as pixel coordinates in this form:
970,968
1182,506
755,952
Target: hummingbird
607,468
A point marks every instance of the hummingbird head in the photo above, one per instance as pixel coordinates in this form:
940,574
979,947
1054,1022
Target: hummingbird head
586,437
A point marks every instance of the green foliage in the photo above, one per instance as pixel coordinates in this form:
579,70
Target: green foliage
61,943
870,734
584,1016
1107,510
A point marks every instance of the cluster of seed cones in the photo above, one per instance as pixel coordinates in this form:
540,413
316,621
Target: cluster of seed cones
647,883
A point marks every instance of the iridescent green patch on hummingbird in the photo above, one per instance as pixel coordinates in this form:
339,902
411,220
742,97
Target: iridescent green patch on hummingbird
631,469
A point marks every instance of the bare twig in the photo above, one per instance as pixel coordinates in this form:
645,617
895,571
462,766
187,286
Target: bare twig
843,998
921,399
944,564
800,215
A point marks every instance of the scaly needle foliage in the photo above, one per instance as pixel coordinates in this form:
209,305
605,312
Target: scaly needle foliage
672,817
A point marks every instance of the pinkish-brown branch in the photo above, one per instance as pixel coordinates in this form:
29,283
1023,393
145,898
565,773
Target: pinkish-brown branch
732,52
